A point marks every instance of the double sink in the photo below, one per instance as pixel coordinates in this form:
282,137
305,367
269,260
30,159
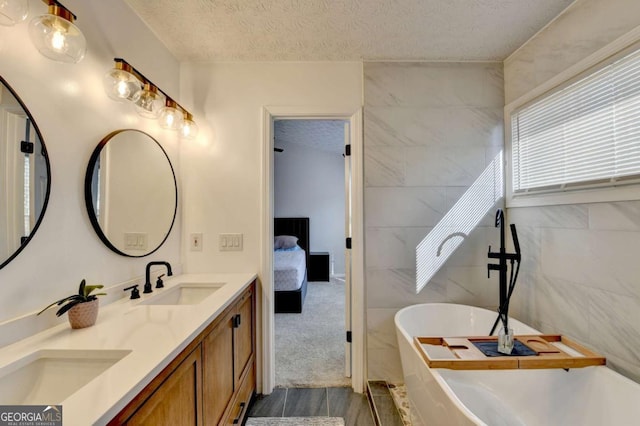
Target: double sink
50,376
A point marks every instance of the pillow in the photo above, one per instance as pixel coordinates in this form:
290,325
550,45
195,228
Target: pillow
285,242
296,248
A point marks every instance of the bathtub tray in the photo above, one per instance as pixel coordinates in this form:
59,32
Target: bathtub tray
459,353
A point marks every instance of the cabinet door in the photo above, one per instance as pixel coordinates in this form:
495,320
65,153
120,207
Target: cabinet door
178,400
244,333
217,371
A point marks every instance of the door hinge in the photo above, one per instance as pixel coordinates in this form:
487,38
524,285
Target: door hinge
348,243
347,150
26,147
348,336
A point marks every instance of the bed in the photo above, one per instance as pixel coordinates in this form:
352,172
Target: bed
290,265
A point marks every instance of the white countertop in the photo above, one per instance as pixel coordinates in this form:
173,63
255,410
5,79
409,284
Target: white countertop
155,335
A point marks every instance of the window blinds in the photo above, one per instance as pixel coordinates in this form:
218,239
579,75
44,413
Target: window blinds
585,133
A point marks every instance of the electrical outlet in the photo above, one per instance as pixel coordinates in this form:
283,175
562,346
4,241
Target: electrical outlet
230,242
196,242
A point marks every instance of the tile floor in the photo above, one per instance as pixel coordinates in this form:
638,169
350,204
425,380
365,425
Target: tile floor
301,402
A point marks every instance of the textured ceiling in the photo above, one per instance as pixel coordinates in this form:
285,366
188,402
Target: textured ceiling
324,135
317,30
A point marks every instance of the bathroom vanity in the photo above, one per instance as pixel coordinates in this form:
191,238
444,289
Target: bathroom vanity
211,381
184,354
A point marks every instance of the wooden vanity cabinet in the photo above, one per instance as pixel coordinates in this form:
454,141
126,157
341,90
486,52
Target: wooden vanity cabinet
211,382
228,361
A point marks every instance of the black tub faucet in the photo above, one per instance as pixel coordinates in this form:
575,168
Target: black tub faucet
147,280
506,288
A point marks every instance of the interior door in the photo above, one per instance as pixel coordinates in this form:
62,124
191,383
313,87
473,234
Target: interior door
12,181
347,260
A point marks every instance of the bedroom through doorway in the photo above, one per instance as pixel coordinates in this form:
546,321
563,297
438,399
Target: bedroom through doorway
311,205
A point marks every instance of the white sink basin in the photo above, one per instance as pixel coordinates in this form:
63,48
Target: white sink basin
48,377
183,294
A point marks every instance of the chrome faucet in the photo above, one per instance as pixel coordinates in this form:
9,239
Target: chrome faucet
147,281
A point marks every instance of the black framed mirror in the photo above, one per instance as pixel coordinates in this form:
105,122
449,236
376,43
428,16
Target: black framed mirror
131,193
25,175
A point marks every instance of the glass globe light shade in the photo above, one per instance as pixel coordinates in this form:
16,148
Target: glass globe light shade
13,11
56,37
120,85
148,102
171,117
189,127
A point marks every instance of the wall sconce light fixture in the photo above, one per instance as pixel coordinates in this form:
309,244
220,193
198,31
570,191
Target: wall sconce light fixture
13,11
55,35
124,82
120,83
149,101
189,127
171,118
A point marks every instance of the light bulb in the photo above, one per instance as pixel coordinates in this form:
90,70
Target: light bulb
13,11
122,89
57,40
56,37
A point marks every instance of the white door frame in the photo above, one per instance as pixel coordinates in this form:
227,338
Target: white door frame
269,114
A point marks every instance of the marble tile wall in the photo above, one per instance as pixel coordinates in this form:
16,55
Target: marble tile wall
430,129
580,273
581,276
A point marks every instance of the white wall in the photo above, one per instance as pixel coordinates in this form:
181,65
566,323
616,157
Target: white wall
580,275
222,177
310,183
73,113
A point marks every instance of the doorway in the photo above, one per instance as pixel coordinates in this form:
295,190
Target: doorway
311,181
354,274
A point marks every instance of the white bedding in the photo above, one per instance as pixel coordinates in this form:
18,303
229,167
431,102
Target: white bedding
289,269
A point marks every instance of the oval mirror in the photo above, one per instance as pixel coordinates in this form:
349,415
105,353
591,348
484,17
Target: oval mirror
131,193
25,175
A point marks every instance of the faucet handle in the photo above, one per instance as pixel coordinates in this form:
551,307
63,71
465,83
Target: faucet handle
159,283
492,267
135,293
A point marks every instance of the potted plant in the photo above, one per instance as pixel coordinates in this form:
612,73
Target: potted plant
82,307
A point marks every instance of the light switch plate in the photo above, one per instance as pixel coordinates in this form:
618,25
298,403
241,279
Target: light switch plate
230,242
135,241
195,242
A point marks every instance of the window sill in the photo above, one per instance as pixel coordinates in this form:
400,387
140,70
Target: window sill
576,196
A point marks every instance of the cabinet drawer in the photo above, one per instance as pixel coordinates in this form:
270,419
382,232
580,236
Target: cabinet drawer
240,405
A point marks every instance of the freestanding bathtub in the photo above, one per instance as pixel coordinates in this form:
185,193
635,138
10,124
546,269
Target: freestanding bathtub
582,396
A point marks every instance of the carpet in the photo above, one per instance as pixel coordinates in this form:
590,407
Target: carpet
310,346
295,421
